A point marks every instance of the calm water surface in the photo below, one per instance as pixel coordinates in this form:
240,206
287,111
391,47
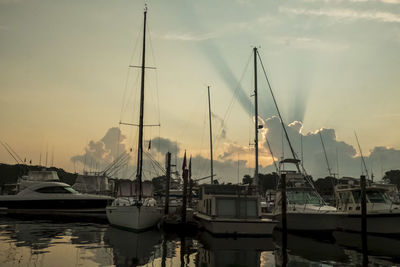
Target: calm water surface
51,243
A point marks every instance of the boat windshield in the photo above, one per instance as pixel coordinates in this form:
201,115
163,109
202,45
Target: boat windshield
71,190
377,197
57,190
303,197
373,196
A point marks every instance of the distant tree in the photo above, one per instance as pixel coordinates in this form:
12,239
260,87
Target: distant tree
247,179
267,181
392,177
325,185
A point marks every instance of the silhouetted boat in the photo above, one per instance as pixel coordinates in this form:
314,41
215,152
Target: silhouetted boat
136,214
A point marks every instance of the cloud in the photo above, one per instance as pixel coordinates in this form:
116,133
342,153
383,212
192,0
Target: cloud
222,128
348,14
309,43
342,157
187,37
164,145
99,154
354,1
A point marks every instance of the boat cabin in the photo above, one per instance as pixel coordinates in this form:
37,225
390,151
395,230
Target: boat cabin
229,201
348,198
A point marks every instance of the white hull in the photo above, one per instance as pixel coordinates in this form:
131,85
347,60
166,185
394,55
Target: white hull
133,217
378,223
239,227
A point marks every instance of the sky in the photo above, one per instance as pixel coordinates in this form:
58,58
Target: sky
334,67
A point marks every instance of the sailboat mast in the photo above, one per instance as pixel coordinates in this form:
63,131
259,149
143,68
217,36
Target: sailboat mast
256,117
140,142
211,145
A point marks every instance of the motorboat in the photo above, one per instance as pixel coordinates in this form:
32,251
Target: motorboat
383,216
306,210
38,197
232,210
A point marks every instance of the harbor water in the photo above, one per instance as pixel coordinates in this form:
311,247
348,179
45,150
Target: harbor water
26,242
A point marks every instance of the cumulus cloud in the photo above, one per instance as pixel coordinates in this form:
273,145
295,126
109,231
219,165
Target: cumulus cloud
99,154
342,157
164,145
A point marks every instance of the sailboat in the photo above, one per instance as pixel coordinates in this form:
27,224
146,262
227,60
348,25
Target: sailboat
233,210
140,213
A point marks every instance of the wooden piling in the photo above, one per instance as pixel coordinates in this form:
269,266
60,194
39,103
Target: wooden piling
168,179
284,219
364,220
184,195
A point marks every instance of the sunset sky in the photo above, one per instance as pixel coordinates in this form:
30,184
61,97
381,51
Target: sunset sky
334,65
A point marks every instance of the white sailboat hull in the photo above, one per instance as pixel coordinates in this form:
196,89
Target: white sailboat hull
135,218
236,227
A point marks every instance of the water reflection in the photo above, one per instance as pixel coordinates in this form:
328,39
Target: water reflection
306,249
243,251
129,248
50,243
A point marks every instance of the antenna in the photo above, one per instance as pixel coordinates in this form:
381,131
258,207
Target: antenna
326,157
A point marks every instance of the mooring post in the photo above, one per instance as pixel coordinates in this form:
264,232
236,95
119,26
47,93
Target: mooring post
168,179
364,220
184,195
190,192
283,219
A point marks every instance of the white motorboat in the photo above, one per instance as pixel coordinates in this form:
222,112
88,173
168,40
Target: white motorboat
37,197
383,217
138,214
306,210
232,210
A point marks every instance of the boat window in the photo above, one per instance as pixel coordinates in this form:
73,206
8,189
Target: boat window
55,190
302,198
237,208
251,208
357,196
226,207
376,197
345,197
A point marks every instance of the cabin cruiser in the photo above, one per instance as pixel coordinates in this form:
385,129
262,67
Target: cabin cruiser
232,210
383,217
306,210
42,193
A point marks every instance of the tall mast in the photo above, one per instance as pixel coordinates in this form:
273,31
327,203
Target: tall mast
140,143
256,117
211,146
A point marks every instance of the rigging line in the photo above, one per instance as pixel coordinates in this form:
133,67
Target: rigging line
234,96
10,152
154,161
156,73
15,153
273,158
362,157
128,71
279,113
230,106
